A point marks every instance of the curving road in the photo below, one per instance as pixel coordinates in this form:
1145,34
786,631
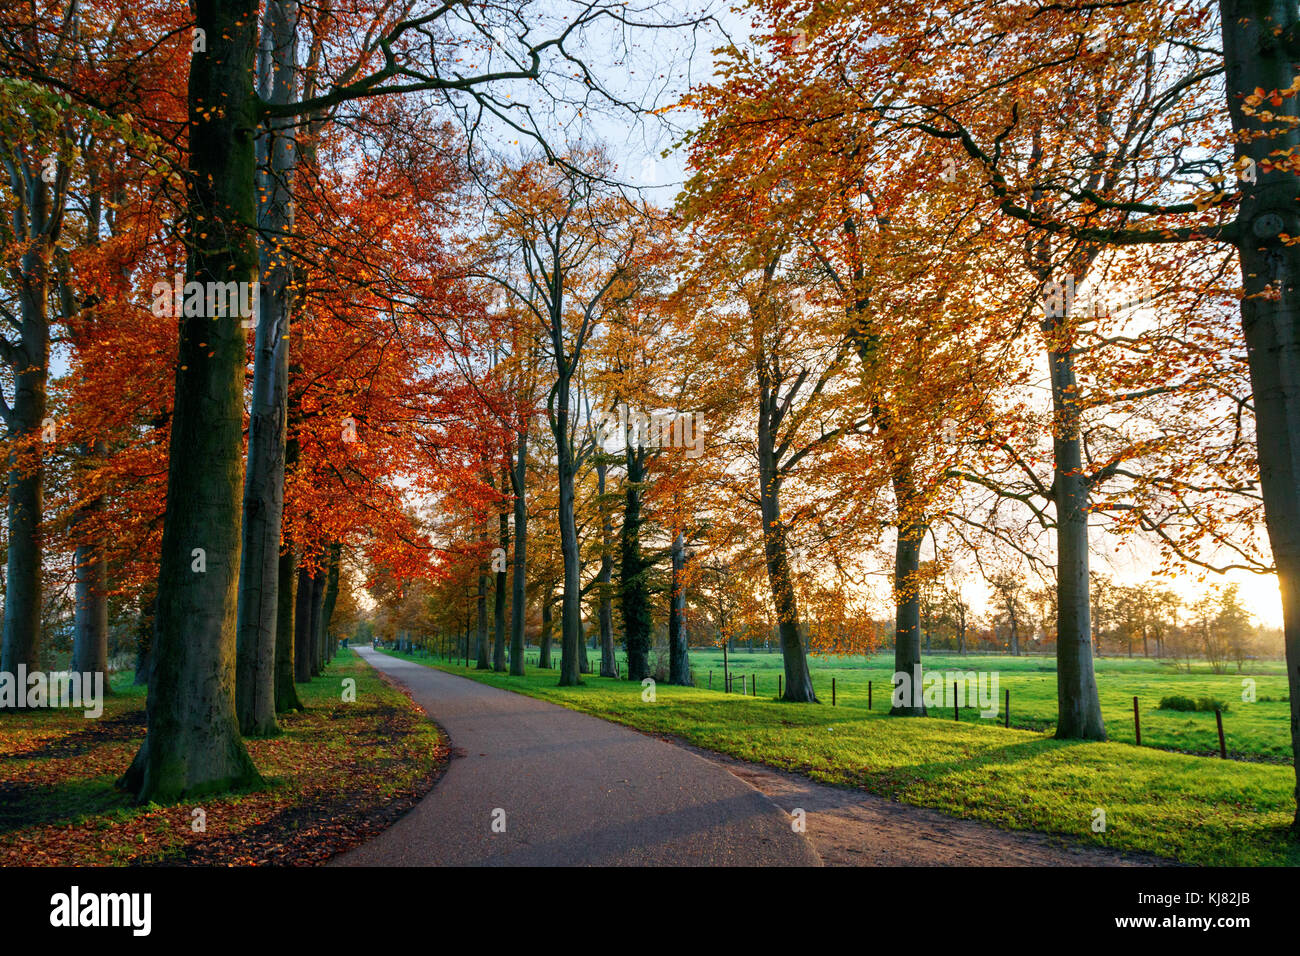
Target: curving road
571,790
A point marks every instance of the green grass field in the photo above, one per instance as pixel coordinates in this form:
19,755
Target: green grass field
1252,730
1193,809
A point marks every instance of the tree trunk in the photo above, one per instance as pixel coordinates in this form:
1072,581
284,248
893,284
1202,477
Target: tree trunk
633,586
481,662
1078,706
679,663
548,626
263,503
499,597
608,662
906,680
25,421
571,600
519,584
316,626
329,598
1261,42
144,641
286,694
193,745
90,619
302,624
907,595
798,679
907,636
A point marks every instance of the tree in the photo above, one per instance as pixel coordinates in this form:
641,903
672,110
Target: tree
258,603
573,243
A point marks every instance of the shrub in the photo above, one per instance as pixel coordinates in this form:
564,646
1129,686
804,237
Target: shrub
1178,702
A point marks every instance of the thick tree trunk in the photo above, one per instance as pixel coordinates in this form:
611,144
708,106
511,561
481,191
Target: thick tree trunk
25,421
286,694
634,588
1078,705
90,618
679,662
193,744
519,589
1261,42
263,503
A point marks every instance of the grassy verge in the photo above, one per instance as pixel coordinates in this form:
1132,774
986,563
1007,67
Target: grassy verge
339,772
1192,809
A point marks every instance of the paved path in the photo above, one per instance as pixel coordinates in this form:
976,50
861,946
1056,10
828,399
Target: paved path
575,790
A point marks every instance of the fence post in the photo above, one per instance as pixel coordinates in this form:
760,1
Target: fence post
832,691
1223,747
1137,723
868,695
710,680
956,707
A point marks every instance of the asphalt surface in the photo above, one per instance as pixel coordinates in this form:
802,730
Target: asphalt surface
534,784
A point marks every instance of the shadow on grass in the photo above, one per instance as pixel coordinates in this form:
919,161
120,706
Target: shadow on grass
127,726
25,805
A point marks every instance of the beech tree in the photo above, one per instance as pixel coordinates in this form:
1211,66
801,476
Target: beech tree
573,240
